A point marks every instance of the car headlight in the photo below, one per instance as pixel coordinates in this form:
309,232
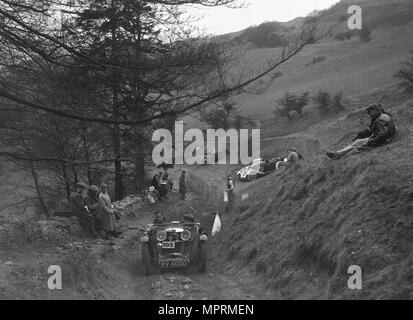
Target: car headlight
161,235
186,235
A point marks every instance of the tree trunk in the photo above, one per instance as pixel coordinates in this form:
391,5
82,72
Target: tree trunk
75,177
87,158
118,163
140,171
39,193
116,127
67,182
140,156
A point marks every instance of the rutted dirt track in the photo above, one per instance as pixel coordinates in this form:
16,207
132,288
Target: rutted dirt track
99,269
178,284
112,270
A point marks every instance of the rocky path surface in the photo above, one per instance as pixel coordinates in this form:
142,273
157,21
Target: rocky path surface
118,260
179,284
101,269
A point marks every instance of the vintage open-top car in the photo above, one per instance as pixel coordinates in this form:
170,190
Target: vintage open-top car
173,245
250,172
258,168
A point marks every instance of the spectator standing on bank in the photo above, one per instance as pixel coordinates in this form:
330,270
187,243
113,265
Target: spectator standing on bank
230,190
182,185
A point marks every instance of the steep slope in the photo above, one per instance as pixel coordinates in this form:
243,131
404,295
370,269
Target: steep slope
300,232
350,66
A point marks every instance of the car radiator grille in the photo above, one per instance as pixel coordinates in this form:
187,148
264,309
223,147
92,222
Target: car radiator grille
180,246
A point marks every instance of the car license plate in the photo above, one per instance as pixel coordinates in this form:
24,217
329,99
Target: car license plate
168,245
174,263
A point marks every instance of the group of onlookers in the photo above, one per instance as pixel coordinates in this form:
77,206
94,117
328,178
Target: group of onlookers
95,211
381,131
161,184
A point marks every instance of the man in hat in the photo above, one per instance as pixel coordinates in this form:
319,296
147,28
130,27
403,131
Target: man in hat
182,185
78,205
189,218
163,184
380,132
230,190
293,157
292,160
155,182
92,203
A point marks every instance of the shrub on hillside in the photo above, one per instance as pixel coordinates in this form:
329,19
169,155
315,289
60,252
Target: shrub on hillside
282,112
267,34
226,117
316,59
314,17
310,19
276,75
217,117
291,102
365,34
323,100
342,18
327,103
405,75
343,36
301,102
338,102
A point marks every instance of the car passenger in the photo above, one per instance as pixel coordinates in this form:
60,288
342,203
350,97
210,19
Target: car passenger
159,218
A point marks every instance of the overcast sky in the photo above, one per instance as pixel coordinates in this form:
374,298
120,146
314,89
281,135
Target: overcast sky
225,20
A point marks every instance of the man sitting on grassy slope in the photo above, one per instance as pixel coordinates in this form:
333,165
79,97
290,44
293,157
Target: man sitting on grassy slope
380,132
291,162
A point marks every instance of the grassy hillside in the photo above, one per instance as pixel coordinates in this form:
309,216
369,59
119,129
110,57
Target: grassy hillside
352,66
301,231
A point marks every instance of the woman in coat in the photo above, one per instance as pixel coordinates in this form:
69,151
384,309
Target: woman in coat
92,204
106,213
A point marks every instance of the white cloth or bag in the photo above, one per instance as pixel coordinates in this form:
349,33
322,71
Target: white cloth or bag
151,198
217,225
225,196
280,163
